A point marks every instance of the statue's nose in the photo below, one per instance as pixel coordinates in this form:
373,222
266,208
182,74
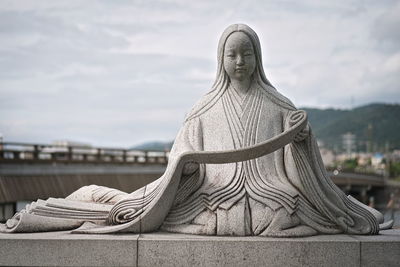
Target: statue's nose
240,60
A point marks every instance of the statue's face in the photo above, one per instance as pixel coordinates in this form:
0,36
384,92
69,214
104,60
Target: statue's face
239,57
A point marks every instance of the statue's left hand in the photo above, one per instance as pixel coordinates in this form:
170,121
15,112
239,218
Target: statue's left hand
293,118
303,134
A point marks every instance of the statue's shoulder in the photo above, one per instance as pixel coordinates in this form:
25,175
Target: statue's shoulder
204,104
277,98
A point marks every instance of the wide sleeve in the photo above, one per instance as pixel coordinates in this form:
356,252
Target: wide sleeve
322,205
145,209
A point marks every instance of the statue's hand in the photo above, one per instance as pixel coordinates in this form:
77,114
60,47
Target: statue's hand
295,117
190,168
303,134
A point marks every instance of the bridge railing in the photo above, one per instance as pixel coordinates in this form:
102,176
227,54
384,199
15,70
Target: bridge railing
18,152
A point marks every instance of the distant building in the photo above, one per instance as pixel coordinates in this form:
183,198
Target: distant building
364,159
377,160
395,156
349,143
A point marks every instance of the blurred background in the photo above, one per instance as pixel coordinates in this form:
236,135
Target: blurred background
94,92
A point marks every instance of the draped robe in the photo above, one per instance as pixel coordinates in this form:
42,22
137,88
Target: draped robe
292,179
235,122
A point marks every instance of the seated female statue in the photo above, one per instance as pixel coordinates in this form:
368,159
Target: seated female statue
245,185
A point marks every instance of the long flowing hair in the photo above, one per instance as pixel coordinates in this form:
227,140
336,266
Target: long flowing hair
222,79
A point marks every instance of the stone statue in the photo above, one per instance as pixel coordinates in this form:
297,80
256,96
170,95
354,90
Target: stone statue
244,163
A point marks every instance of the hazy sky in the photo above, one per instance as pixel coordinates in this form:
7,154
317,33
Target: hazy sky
117,73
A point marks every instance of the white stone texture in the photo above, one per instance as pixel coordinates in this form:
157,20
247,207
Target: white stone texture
167,249
65,249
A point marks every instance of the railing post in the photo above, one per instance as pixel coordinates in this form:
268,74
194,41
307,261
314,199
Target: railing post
146,157
98,154
16,155
124,155
35,152
69,153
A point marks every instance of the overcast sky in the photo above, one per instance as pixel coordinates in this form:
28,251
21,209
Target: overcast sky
118,73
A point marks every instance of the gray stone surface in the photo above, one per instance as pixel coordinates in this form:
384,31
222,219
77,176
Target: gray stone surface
65,249
166,249
380,250
183,250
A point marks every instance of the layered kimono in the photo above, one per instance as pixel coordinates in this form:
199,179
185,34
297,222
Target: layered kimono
242,198
237,198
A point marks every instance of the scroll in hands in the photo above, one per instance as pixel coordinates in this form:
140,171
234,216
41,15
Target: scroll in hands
296,123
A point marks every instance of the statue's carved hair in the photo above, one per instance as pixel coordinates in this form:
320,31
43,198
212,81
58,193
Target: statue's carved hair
222,79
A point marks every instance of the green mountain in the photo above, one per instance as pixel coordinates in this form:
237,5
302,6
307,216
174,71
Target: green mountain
154,146
375,126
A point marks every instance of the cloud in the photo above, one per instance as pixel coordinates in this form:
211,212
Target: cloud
119,73
385,29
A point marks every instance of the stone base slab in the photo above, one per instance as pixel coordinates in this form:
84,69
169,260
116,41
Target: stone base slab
166,249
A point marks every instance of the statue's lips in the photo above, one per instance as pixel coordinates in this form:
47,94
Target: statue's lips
240,69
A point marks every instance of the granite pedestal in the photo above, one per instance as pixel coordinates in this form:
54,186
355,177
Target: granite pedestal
166,249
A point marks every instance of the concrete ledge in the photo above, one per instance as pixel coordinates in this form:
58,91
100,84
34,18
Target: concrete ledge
65,249
166,249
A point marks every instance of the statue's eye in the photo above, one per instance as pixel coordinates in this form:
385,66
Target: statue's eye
230,55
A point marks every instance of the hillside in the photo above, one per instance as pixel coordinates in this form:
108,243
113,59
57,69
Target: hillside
154,146
377,123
